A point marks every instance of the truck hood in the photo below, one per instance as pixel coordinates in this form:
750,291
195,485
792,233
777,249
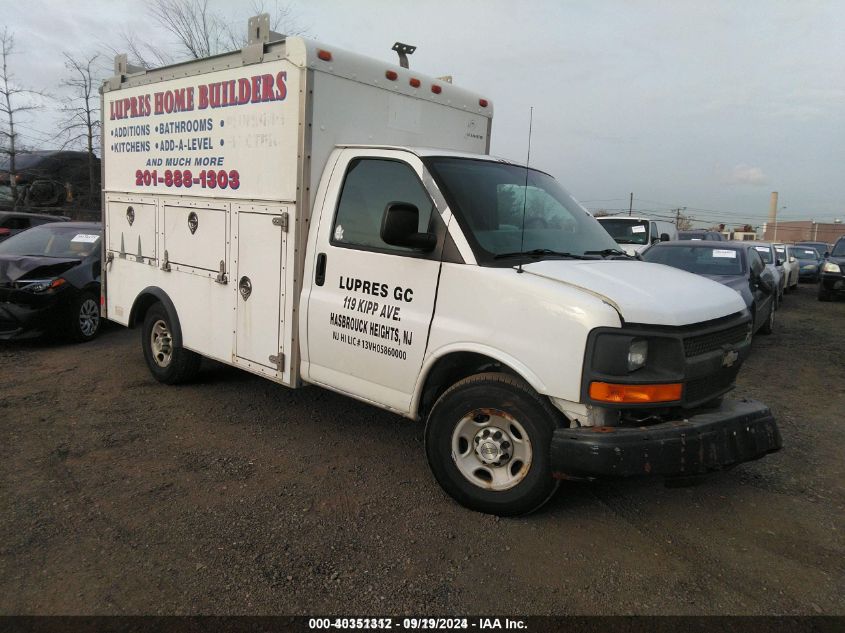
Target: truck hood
645,293
633,249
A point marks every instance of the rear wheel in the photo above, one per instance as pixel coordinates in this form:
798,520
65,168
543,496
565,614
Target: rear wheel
487,441
84,323
167,362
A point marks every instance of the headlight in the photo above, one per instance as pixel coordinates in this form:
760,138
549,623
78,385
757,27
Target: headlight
637,354
39,285
830,267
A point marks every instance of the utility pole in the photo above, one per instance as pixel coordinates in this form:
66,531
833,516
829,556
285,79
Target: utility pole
678,215
631,203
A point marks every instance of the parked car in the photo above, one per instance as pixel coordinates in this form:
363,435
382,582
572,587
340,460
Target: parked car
51,178
790,267
832,280
737,265
709,236
12,223
773,263
636,234
822,247
50,281
809,261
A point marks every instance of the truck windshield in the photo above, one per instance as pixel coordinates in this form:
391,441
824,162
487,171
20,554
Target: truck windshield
488,199
805,253
765,253
626,231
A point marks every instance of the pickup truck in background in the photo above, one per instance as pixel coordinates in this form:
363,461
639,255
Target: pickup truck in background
317,217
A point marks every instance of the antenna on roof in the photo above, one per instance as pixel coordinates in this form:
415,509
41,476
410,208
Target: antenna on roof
403,50
525,190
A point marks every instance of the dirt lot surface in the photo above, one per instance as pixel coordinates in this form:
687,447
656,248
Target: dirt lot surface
233,496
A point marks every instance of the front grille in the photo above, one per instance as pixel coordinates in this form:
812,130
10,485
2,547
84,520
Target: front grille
702,389
703,343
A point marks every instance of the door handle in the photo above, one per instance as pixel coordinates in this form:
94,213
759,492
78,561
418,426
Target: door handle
320,274
245,287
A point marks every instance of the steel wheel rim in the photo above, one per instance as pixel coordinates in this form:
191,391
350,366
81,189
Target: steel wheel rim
161,344
487,461
89,317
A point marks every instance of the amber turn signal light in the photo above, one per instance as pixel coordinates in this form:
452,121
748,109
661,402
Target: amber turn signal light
635,394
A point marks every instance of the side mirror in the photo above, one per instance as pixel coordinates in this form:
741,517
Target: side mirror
765,284
399,227
826,254
664,237
778,262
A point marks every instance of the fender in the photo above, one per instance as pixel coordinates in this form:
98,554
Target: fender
162,296
496,354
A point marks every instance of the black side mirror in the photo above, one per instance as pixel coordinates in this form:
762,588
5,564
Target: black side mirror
778,262
664,237
826,254
399,227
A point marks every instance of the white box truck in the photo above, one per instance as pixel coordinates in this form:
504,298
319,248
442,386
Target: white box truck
635,234
320,218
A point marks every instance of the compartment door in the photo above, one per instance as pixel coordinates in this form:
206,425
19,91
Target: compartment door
260,288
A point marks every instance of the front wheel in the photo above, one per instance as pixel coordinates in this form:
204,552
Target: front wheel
84,323
167,362
487,441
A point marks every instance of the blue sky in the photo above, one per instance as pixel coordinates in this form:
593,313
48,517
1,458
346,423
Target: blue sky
706,105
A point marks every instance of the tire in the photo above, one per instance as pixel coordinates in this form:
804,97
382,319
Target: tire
168,364
521,480
769,326
84,320
824,295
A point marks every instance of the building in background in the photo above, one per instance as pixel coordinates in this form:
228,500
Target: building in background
803,230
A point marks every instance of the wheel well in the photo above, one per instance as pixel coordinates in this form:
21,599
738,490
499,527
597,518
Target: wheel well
140,307
145,300
452,368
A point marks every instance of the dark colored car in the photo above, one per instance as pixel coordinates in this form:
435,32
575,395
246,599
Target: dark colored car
12,222
809,261
705,236
832,280
821,247
737,265
51,178
50,281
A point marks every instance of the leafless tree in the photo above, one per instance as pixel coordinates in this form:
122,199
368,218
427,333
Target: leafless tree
199,31
15,101
81,112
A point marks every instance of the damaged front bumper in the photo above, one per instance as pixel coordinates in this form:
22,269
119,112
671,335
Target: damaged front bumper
738,431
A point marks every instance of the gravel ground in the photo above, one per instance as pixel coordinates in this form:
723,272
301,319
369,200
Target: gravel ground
237,496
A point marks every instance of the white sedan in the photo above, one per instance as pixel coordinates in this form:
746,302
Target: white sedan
791,267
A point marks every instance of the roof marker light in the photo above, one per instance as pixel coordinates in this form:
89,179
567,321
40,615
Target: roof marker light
414,82
391,74
326,56
483,103
436,89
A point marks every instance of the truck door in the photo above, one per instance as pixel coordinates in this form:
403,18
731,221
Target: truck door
371,304
260,286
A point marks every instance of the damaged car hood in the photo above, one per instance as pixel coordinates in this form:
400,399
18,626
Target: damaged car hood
645,293
15,267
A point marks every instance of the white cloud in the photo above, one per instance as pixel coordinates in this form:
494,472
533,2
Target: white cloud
747,175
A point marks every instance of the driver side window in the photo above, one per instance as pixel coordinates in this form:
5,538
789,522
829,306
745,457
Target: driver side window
370,185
